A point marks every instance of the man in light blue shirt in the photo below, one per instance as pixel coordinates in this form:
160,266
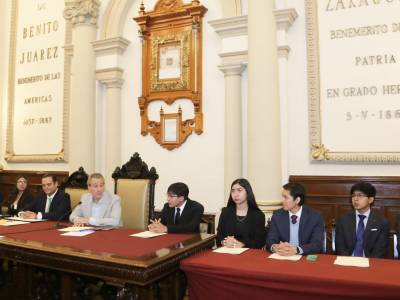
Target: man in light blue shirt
99,207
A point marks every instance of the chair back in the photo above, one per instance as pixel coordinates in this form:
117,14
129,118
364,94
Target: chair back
76,185
135,184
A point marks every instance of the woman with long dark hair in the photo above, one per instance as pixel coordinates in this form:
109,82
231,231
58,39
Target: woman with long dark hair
242,223
20,197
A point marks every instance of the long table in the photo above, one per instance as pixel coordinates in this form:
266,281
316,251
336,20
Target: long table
251,275
131,263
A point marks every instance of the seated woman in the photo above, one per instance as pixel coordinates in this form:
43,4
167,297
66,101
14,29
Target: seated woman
20,197
242,223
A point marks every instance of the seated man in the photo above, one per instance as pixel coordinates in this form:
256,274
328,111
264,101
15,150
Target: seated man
53,204
98,208
180,214
362,232
295,228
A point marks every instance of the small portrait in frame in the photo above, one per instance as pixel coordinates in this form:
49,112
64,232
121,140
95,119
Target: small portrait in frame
169,61
170,129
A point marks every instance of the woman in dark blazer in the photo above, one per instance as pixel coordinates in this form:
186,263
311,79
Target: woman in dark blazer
20,197
242,223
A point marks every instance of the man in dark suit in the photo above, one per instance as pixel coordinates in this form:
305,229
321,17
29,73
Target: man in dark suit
52,204
180,214
295,228
362,232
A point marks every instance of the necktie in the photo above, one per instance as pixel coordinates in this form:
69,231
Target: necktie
359,248
48,203
294,219
177,215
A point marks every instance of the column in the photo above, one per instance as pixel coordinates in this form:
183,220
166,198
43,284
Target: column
108,52
233,123
233,34
264,143
83,16
112,79
284,20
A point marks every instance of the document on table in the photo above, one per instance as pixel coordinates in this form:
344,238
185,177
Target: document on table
352,261
78,233
25,220
75,228
11,223
227,250
281,257
147,234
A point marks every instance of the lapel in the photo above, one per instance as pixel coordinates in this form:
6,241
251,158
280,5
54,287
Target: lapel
352,229
171,215
370,224
53,200
285,226
303,223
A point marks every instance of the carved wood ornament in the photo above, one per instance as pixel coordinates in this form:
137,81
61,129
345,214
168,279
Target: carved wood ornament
171,67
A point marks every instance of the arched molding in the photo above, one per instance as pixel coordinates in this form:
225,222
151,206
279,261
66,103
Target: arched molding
117,10
115,18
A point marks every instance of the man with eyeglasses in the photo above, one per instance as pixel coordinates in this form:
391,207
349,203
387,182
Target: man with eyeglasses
362,232
180,214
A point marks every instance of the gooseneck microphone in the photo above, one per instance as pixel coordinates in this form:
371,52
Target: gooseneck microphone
58,225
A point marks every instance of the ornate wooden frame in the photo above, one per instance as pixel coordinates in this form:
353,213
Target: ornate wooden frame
171,23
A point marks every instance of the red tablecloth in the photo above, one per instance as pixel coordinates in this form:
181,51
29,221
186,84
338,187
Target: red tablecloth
115,241
252,275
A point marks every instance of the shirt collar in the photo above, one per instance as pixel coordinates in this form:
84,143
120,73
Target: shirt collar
366,214
52,195
298,214
181,207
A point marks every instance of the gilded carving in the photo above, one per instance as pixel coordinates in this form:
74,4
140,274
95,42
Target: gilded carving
319,152
171,67
82,12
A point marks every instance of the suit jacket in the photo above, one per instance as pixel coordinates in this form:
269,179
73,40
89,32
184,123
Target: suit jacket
60,206
253,227
311,230
110,210
398,233
376,235
25,200
189,220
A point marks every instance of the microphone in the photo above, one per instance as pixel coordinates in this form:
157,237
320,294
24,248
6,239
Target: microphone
58,225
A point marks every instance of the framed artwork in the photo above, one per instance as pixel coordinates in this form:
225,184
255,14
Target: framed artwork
171,66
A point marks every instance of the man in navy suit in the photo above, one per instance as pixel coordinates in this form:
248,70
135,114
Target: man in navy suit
180,214
295,228
52,204
362,232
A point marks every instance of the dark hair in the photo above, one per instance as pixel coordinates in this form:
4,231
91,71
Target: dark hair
364,187
251,199
179,189
21,176
296,190
53,177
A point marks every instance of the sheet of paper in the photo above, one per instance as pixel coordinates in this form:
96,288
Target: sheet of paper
230,250
78,233
146,234
75,228
351,261
25,220
281,257
11,223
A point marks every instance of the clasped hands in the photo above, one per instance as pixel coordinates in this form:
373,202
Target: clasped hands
157,226
231,242
27,214
284,249
81,221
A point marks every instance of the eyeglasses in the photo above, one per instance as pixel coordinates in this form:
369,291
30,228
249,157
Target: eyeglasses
172,196
358,195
